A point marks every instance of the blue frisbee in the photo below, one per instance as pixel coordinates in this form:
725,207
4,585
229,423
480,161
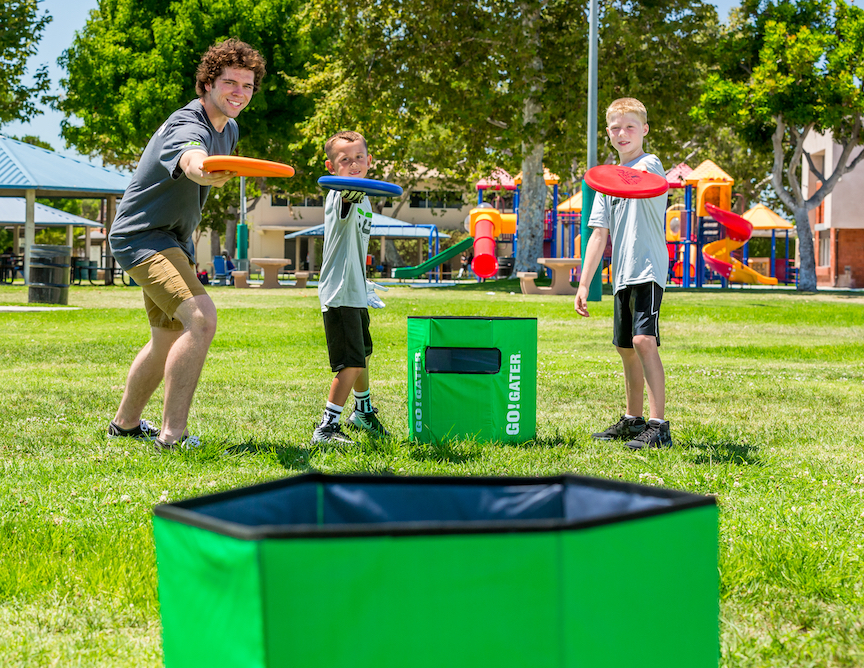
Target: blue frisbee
371,187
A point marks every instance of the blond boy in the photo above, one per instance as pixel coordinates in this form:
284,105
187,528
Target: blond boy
640,265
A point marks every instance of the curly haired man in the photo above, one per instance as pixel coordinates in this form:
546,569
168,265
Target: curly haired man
151,238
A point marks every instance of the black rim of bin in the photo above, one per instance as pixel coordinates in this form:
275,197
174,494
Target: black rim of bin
184,511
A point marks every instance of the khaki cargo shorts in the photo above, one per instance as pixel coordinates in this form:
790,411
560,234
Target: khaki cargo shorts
168,279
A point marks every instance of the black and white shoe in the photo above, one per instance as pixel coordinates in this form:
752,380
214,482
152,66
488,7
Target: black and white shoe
144,431
623,430
330,433
656,435
368,422
188,442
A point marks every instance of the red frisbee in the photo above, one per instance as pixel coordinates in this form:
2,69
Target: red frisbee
246,166
620,181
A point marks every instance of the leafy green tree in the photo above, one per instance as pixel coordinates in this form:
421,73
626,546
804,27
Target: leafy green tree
21,28
134,63
503,83
790,69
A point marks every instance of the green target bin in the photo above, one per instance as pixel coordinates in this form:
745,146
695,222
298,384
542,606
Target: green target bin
472,377
357,571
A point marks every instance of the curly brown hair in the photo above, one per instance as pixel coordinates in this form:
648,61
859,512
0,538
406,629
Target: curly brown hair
230,53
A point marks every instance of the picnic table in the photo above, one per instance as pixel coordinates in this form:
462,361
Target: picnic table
560,267
271,267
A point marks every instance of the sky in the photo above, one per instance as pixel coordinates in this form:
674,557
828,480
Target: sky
70,17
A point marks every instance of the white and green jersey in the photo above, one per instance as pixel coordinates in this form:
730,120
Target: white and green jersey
346,242
638,231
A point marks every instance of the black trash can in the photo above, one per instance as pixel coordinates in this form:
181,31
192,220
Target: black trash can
49,274
505,266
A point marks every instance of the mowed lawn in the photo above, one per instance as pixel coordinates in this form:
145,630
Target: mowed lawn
764,396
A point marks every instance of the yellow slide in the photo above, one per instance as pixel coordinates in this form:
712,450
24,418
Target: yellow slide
718,254
718,257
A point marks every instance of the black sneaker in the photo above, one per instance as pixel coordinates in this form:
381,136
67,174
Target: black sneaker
625,429
656,435
368,422
330,433
144,431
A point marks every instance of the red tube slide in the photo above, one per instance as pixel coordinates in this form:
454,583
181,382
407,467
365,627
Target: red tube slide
485,264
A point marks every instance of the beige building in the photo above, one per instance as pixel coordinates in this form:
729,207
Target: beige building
838,222
274,216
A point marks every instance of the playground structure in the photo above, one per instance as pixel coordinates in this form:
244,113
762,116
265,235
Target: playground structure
485,225
718,254
691,233
701,243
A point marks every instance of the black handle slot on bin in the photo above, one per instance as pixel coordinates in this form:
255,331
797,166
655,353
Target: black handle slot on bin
463,360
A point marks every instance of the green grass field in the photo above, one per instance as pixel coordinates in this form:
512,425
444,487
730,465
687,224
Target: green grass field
764,396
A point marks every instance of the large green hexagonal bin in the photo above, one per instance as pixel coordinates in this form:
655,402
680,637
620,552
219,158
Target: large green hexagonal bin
379,572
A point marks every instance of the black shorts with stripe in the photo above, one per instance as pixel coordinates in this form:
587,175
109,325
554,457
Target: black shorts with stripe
349,342
637,312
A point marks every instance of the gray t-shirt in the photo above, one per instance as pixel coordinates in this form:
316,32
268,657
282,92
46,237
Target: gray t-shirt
342,281
638,231
161,207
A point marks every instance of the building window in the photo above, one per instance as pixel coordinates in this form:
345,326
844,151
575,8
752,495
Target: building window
436,199
279,200
824,248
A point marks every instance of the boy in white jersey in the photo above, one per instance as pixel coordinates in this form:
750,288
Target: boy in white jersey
640,265
345,294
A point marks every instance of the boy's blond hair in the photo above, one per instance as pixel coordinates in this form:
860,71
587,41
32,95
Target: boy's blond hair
346,135
627,105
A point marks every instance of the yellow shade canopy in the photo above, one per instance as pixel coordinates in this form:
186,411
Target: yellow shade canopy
572,204
550,178
763,218
708,171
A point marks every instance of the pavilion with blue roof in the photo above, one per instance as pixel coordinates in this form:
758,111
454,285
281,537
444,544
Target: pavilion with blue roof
30,171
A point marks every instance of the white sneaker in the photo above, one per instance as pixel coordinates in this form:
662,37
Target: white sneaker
187,442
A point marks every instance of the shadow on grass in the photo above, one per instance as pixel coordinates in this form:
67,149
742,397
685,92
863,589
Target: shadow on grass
727,452
452,452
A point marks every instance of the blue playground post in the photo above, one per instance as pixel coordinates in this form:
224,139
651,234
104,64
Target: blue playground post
555,222
688,218
516,211
773,273
595,288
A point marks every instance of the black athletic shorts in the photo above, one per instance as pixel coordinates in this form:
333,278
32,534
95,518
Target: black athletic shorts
637,312
348,340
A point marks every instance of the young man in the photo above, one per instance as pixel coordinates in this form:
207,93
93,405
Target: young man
640,263
345,293
152,240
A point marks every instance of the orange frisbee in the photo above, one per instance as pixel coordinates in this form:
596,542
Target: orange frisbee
247,166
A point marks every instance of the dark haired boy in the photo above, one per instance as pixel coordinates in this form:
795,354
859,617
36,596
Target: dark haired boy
345,293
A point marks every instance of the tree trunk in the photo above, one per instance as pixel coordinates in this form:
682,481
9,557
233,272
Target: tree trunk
215,244
532,198
231,236
391,255
806,251
532,205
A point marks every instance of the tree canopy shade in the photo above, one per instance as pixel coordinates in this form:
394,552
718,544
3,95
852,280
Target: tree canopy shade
21,27
789,69
134,63
502,82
